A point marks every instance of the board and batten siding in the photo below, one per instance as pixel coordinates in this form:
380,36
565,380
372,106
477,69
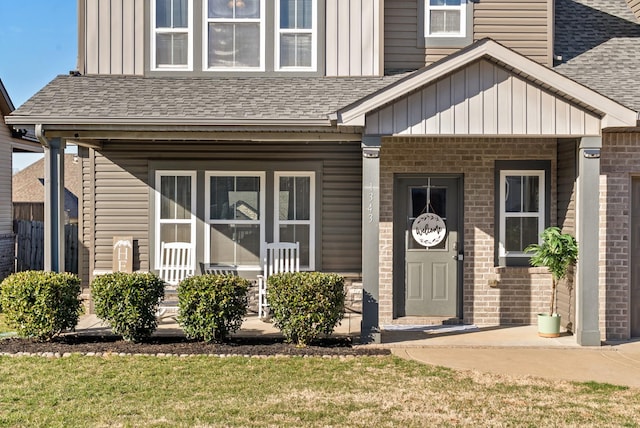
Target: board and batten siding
526,26
354,38
111,41
6,204
116,194
482,99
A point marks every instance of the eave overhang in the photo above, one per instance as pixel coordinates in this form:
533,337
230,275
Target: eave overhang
612,113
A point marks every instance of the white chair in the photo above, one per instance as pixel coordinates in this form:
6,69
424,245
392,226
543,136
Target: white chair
281,257
176,264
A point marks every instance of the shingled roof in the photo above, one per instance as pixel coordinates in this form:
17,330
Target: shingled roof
242,98
599,42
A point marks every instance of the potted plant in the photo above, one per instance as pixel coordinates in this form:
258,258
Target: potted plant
557,251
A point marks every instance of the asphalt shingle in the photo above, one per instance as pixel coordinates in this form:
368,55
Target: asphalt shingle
199,98
599,42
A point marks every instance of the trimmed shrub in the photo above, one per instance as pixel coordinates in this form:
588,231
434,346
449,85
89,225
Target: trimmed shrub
305,305
212,306
128,302
41,304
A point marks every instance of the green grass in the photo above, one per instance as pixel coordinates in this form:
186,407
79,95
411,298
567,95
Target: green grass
291,392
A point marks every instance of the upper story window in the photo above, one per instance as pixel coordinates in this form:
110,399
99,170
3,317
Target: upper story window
230,36
296,46
172,34
445,23
235,34
445,18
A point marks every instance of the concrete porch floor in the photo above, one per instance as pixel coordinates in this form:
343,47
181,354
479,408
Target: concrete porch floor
405,336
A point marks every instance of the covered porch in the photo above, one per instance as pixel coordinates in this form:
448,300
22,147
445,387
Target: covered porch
468,133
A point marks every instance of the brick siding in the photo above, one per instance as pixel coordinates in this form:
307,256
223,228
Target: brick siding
620,160
521,292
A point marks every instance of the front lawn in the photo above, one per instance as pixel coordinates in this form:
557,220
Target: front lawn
291,392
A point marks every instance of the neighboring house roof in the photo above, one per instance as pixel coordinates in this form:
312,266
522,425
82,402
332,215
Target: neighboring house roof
19,142
132,99
599,42
6,106
28,184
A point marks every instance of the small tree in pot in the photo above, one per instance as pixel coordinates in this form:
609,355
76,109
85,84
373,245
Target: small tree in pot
556,252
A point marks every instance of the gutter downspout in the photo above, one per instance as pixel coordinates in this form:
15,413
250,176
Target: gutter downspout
53,201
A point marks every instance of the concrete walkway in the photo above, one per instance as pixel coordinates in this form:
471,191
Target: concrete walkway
518,351
514,351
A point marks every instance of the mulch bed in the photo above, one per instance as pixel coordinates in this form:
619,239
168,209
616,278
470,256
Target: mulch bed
171,345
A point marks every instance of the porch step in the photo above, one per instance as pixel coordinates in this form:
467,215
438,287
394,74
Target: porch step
414,320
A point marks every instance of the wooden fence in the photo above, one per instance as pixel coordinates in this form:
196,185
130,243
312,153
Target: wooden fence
30,246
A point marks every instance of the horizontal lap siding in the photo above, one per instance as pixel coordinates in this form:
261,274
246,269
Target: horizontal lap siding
121,202
524,26
567,172
112,38
6,224
401,36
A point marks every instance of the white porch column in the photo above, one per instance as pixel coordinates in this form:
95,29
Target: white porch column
54,205
370,328
587,276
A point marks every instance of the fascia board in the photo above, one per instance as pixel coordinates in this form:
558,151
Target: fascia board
615,114
158,122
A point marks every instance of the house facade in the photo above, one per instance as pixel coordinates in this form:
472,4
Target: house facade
10,141
416,147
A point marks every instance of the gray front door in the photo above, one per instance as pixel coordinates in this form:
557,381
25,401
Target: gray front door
427,273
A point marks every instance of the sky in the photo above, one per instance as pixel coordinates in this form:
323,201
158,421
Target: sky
38,41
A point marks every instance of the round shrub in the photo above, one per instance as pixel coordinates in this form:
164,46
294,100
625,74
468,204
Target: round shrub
41,304
212,306
305,305
128,302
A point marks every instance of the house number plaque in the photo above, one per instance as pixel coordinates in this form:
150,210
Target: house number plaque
428,229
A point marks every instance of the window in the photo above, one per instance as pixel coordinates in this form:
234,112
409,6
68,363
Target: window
523,198
172,38
234,34
296,33
235,218
175,208
294,212
445,18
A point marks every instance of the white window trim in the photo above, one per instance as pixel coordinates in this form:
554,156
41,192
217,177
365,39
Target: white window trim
504,215
463,19
208,222
312,211
205,38
158,221
155,31
314,39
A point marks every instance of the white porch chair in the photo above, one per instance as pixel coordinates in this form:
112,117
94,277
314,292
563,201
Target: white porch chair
281,257
176,264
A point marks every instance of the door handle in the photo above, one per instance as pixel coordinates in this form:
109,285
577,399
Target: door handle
458,257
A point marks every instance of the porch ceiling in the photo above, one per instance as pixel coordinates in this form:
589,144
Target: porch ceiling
486,89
